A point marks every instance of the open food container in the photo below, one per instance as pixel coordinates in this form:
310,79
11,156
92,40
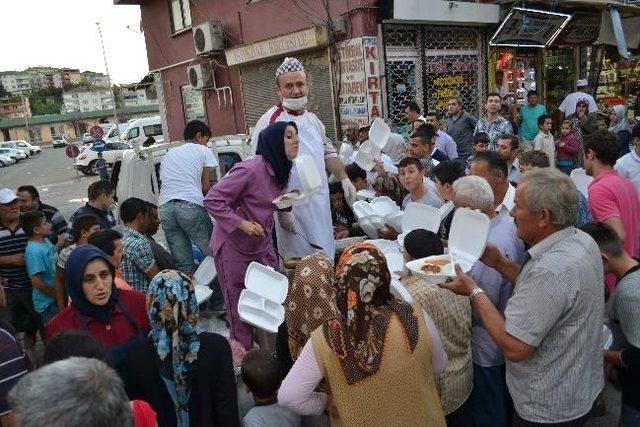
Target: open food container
310,181
289,199
467,240
367,154
419,216
342,244
384,206
379,133
346,152
365,194
204,275
260,304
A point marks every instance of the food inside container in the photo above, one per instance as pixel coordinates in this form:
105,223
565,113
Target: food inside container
435,265
260,304
289,199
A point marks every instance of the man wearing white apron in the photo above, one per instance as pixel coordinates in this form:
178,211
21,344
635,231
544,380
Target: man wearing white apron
313,218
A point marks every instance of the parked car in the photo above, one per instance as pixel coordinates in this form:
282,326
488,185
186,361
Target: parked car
6,160
115,132
58,141
23,145
86,160
87,138
139,131
17,155
137,173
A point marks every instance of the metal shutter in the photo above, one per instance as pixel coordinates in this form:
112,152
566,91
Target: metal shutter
259,93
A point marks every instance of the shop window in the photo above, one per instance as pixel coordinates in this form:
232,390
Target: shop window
180,13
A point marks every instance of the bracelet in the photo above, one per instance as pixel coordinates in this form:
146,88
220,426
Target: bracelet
475,293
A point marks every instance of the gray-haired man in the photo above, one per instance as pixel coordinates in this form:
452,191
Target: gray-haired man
551,330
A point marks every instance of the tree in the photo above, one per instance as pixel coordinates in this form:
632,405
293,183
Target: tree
45,101
117,95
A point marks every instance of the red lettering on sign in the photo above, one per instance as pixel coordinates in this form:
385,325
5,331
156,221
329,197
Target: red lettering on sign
370,52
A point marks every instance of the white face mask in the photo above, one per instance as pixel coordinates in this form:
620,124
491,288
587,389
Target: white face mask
294,104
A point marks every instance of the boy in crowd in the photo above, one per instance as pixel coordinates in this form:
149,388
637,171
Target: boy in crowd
411,178
83,227
341,214
452,316
628,166
624,314
40,259
446,173
544,140
101,196
480,143
110,242
101,165
357,176
262,377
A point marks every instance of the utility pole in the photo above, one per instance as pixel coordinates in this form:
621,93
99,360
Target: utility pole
24,111
106,67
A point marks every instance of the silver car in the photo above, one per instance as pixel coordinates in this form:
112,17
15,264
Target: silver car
17,155
6,161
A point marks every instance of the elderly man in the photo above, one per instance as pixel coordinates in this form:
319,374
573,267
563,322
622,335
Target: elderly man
508,149
488,403
492,167
311,221
444,142
551,331
75,392
493,124
351,135
460,125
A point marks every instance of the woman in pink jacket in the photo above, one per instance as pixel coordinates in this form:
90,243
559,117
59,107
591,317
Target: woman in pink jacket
242,206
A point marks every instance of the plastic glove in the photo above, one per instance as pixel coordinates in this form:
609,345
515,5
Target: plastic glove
287,221
349,191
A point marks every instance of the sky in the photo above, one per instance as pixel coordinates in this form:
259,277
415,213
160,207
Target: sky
63,33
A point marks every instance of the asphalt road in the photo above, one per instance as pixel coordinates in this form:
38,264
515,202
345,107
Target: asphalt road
52,173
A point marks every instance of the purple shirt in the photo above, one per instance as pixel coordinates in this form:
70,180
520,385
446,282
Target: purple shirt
245,193
502,234
446,144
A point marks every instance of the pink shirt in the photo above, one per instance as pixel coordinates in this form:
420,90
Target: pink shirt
612,196
297,390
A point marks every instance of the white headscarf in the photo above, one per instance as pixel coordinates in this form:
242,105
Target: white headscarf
623,122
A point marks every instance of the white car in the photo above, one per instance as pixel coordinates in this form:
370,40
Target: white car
58,141
22,145
17,155
6,161
86,160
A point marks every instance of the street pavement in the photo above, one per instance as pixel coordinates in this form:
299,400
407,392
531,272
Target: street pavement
52,173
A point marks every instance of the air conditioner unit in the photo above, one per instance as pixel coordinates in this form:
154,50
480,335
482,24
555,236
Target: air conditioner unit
201,76
208,38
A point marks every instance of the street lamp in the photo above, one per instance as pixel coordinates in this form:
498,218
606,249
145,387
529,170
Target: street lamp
106,67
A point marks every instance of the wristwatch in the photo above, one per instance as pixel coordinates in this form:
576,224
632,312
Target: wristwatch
475,292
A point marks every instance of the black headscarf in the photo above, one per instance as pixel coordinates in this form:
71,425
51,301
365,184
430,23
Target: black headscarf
74,272
271,148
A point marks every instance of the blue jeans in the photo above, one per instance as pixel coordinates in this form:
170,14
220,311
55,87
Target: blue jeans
629,416
183,223
49,313
489,403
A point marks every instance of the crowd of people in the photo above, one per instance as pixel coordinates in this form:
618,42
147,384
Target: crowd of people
515,340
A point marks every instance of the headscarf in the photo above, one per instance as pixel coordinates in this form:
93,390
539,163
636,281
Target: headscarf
173,314
310,301
74,274
623,122
388,184
357,334
271,148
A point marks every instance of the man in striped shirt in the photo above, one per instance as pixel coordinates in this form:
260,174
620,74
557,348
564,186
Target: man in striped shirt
551,332
13,243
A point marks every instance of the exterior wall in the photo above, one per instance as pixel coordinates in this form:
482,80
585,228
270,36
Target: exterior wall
15,109
243,24
84,101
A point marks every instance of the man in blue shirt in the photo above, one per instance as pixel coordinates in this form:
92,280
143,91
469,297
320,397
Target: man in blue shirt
528,116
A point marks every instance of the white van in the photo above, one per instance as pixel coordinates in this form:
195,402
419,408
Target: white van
137,173
115,131
139,131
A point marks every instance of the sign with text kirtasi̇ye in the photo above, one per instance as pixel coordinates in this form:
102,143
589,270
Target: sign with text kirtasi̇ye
529,28
99,146
359,92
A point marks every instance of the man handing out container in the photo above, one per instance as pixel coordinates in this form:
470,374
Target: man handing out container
311,221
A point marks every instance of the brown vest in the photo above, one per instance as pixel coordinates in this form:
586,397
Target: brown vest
402,392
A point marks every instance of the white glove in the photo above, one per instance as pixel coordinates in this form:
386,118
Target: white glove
287,221
349,191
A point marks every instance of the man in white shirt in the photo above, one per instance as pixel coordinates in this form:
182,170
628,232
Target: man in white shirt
309,222
568,105
628,165
185,175
492,167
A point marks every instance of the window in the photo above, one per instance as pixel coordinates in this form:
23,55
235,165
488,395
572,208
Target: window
180,15
52,129
133,133
152,130
34,134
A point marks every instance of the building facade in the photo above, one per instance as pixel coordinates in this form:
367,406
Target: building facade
15,109
84,100
17,82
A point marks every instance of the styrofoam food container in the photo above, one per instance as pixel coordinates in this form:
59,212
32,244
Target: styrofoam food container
446,210
365,194
395,262
362,209
308,172
341,244
345,152
379,133
467,240
418,216
206,272
288,199
394,221
366,155
260,303
370,225
384,206
203,293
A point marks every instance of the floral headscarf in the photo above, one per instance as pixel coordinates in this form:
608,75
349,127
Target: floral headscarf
357,334
173,314
388,184
311,300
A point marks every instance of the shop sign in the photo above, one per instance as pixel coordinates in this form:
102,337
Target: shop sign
449,76
529,28
359,96
278,46
582,30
